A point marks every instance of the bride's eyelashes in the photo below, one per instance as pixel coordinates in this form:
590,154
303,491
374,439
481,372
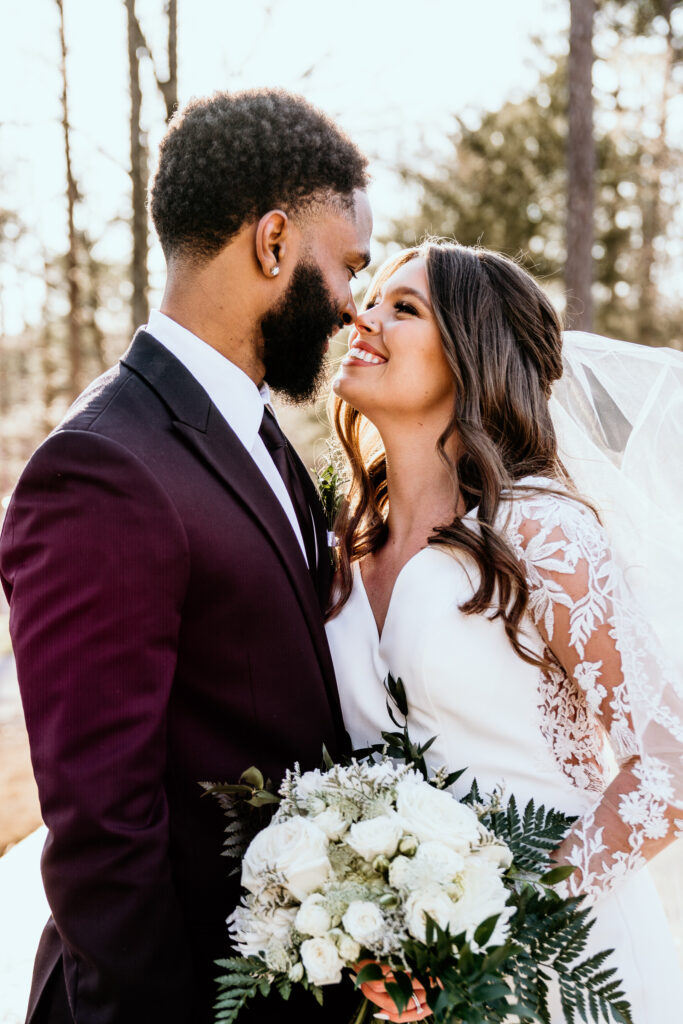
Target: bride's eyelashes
405,307
399,306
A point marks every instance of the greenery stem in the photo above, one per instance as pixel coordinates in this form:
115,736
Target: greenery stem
364,1012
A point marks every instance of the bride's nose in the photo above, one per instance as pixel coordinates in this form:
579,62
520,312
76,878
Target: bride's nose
366,323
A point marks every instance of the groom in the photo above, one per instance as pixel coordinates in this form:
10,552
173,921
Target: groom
165,558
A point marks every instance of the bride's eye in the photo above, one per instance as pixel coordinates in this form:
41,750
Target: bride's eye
405,307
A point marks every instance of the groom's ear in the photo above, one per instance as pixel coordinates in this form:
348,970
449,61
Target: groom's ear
272,237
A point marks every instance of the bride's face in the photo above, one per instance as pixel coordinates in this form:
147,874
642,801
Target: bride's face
396,366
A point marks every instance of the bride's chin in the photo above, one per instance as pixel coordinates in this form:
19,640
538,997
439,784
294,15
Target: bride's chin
348,394
341,387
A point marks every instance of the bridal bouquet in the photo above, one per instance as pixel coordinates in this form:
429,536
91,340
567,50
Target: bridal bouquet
444,907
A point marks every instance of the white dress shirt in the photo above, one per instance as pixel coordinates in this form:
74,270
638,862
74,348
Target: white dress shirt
234,394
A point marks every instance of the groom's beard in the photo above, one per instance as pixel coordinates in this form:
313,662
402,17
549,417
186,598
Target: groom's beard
295,334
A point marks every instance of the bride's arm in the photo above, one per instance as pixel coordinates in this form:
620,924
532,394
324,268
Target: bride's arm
592,630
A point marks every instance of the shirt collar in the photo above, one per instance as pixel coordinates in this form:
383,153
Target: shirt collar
233,393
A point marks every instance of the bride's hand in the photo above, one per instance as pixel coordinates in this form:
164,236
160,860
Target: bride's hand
376,992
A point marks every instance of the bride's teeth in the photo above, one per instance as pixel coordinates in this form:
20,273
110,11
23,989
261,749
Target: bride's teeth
366,357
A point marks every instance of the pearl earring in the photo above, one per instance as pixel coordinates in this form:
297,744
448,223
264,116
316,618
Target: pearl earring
274,271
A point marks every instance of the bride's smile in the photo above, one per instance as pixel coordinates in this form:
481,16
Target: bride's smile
396,366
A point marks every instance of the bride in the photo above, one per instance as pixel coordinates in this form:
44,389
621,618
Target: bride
473,568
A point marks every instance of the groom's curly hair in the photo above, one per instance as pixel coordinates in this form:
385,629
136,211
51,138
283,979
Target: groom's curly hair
227,159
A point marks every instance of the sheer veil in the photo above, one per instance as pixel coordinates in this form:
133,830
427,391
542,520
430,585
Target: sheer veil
618,414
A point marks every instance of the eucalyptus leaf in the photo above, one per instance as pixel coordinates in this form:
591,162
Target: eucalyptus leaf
370,972
397,993
486,930
252,777
327,760
557,874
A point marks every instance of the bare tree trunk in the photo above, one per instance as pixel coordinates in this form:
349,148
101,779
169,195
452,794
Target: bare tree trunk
94,274
75,339
581,168
47,342
169,87
139,162
651,203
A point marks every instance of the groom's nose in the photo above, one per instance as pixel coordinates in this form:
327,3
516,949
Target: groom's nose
349,313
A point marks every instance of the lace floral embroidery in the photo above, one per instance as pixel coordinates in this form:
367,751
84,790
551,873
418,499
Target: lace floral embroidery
604,663
571,730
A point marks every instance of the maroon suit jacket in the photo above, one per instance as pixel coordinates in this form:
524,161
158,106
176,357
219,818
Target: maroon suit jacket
166,631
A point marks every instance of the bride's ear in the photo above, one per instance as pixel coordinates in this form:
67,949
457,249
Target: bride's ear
272,237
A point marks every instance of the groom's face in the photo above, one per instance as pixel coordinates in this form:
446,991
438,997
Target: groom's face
317,301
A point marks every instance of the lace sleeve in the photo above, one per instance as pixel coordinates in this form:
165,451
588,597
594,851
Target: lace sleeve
589,622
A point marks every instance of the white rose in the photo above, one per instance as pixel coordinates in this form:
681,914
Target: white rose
432,902
253,933
435,863
375,837
296,848
400,872
497,853
349,949
484,894
331,822
321,961
431,813
364,922
312,918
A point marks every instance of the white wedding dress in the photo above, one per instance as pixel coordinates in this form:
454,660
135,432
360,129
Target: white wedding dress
542,734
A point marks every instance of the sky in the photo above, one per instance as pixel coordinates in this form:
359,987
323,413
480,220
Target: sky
391,72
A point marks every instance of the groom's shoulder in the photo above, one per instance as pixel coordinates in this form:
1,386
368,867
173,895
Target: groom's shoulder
116,398
104,393
117,416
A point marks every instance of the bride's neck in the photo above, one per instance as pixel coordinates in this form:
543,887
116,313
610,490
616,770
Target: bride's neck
421,489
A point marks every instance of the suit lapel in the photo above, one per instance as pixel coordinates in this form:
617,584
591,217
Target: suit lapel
197,420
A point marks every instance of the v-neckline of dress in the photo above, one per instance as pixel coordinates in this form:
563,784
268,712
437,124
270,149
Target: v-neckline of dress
379,633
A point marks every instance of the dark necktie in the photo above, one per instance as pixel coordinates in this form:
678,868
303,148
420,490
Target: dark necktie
278,448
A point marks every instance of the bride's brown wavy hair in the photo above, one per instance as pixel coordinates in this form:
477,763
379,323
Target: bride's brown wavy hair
503,342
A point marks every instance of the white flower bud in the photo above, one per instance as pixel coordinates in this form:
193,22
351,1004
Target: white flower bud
381,864
349,949
408,846
296,973
388,900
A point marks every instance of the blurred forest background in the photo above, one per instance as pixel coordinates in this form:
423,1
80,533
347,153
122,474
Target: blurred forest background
580,178
577,172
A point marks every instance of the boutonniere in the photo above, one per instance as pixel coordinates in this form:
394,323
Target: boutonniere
331,495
